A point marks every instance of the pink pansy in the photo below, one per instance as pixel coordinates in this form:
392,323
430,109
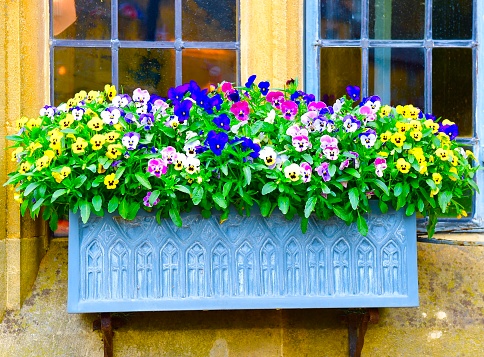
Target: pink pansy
227,88
289,110
294,130
327,140
160,105
331,152
157,167
316,106
380,166
141,95
306,171
301,142
308,117
168,154
240,110
275,98
367,112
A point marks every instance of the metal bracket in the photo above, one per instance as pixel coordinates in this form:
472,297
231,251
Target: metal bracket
358,320
106,323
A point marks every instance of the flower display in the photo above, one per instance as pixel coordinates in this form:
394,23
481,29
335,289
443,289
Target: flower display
275,148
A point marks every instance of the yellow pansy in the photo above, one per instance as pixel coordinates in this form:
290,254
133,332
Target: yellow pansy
67,121
33,123
92,95
383,154
64,172
443,154
437,178
453,170
402,127
403,166
423,168
385,110
432,125
79,146
34,146
447,122
95,124
20,123
416,151
71,103
110,91
97,141
398,139
110,181
55,139
80,95
42,163
444,138
434,192
17,197
408,111
100,169
416,125
416,135
100,98
461,214
25,167
16,154
384,137
111,136
113,152
292,172
471,155
454,160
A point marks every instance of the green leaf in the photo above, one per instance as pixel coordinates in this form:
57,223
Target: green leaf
154,195
168,131
341,213
143,180
219,199
420,205
226,188
352,172
124,209
308,158
431,184
265,207
32,186
362,226
113,204
354,197
247,175
57,194
283,204
85,208
197,195
37,204
397,190
23,207
97,202
269,187
119,172
444,199
310,205
304,224
133,210
410,209
383,207
14,138
182,188
79,181
224,169
175,216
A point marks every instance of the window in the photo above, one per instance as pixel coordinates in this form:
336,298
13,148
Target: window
408,52
153,44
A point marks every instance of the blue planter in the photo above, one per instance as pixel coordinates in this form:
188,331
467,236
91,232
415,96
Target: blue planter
245,263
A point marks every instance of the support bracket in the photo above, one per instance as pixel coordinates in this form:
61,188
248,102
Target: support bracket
358,320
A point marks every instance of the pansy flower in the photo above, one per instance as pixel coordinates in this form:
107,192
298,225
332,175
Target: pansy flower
437,178
42,162
403,166
95,124
216,101
34,123
443,154
353,92
294,130
77,113
34,146
264,87
384,137
111,115
275,98
147,120
182,110
432,125
216,141
48,111
308,118
270,117
192,165
385,110
240,110
450,128
190,148
222,121
380,166
158,105
130,140
146,200
368,138
157,167
301,142
25,167
97,141
110,91
269,156
289,110
111,136
398,139
330,126
327,140
62,174
176,94
316,106
367,112
416,135
111,181
92,96
113,152
292,172
79,146
331,152
141,96
168,154
305,171
121,100
179,161
323,171
351,124
172,122
250,81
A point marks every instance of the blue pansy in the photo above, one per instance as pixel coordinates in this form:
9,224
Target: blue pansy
177,94
353,92
216,141
250,81
216,101
234,96
222,121
264,87
182,110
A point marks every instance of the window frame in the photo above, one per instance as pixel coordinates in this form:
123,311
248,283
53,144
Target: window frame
313,43
115,44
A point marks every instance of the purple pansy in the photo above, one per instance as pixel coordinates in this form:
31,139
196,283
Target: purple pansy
147,120
306,171
250,81
323,171
222,121
275,98
203,101
351,124
47,110
146,200
216,141
353,92
121,100
130,140
176,94
234,96
216,101
368,138
451,130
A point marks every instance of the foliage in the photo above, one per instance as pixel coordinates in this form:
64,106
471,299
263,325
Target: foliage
245,146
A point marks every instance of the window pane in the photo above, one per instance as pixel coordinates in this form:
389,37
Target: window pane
78,69
150,69
209,66
93,19
452,87
452,19
397,75
397,20
340,19
340,67
209,20
146,20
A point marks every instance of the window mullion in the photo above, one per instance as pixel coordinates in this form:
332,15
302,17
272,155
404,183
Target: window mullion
364,46
178,43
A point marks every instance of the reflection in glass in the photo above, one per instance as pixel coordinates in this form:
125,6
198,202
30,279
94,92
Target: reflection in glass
77,69
209,20
340,19
452,19
452,87
396,20
150,69
340,67
93,20
397,75
209,66
146,20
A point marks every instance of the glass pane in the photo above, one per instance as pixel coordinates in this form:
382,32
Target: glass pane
146,20
209,20
340,19
397,75
340,67
452,19
209,66
452,87
150,69
81,19
397,20
77,69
